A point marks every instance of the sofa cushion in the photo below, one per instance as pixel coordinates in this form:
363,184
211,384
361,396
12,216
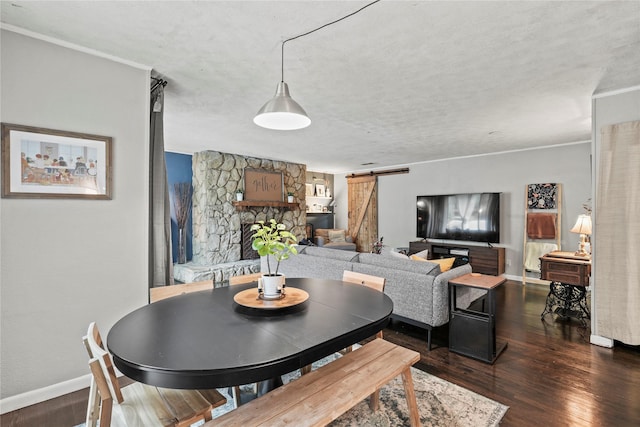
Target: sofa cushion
397,263
395,254
330,253
336,236
309,266
343,246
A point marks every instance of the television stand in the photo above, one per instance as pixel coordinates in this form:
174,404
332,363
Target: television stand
484,260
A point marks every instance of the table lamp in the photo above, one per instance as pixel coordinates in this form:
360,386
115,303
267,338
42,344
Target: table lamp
582,227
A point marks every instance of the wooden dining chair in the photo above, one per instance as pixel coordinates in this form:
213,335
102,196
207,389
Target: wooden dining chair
139,404
373,282
162,292
245,278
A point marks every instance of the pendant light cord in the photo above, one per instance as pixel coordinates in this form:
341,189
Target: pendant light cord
319,28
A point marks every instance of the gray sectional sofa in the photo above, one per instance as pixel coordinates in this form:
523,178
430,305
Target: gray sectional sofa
418,289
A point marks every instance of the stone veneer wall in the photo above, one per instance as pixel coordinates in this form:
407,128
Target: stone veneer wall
216,221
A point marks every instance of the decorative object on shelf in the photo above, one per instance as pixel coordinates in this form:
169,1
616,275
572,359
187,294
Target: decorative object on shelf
308,189
273,239
282,112
320,190
33,167
239,194
328,192
289,197
377,246
583,228
182,194
265,185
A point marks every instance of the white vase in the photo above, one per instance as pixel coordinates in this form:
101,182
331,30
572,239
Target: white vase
239,196
272,285
290,199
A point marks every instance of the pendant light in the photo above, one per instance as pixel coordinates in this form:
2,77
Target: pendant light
282,112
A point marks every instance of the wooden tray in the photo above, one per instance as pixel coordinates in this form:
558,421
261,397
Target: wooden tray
249,298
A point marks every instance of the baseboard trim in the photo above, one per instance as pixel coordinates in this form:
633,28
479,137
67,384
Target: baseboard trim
601,341
32,397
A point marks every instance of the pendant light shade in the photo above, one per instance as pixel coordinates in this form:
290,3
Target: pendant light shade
282,112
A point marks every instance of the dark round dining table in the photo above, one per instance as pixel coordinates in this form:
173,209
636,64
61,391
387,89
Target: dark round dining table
205,340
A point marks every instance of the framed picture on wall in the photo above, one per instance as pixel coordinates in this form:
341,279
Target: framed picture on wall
42,163
264,185
320,190
309,189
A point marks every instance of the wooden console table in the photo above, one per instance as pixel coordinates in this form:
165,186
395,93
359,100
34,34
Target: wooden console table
485,260
569,276
473,333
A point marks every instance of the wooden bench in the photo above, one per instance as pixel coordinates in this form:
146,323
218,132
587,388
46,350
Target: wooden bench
323,395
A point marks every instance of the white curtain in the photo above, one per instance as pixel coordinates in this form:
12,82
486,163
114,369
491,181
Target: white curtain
616,248
160,257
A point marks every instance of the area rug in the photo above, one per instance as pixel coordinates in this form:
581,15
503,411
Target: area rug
440,403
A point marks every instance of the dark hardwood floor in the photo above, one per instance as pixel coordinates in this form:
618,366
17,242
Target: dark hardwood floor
549,375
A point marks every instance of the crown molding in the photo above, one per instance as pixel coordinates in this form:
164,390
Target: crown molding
73,46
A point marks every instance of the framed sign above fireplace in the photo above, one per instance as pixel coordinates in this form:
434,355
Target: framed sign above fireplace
263,185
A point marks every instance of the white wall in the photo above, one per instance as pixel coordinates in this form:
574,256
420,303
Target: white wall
65,263
507,173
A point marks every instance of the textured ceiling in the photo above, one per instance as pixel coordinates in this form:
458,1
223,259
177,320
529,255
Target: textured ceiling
400,82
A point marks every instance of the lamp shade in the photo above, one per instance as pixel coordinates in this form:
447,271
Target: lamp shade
583,225
282,112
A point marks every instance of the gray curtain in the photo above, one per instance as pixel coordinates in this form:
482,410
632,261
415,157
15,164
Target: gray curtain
160,257
617,228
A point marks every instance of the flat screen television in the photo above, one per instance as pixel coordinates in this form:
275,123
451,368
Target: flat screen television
471,217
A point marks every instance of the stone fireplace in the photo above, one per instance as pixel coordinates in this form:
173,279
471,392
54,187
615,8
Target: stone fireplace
218,223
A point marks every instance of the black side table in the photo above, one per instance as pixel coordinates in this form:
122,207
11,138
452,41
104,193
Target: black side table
473,333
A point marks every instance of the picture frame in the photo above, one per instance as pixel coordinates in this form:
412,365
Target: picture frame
40,163
309,189
320,190
263,185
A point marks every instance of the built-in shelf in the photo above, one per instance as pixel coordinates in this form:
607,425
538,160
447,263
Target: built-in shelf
319,203
262,203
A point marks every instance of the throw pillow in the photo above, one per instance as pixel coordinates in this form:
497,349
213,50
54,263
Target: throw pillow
415,257
398,255
422,254
445,263
336,236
